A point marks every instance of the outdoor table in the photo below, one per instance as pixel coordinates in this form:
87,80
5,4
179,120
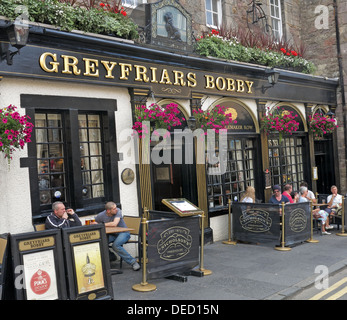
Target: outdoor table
110,230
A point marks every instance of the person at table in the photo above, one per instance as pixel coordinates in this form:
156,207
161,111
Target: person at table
310,194
62,218
334,201
287,190
113,217
277,197
249,195
319,214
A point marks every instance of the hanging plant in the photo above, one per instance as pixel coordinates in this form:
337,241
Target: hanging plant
320,126
15,131
283,122
159,118
216,119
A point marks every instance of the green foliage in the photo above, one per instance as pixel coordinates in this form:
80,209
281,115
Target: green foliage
216,46
69,17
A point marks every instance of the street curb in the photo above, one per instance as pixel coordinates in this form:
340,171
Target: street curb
294,290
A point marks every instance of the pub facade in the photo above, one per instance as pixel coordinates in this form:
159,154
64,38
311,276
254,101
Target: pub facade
81,92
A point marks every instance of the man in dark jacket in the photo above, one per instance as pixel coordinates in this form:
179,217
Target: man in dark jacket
61,218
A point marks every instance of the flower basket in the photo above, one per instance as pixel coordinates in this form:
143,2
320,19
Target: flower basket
15,131
283,122
216,119
158,117
320,126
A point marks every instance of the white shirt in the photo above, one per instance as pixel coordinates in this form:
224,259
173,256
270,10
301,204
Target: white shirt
337,200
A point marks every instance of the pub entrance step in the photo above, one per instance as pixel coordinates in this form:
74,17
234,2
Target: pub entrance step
183,277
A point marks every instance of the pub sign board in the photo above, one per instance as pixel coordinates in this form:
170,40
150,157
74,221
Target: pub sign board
87,263
38,266
173,246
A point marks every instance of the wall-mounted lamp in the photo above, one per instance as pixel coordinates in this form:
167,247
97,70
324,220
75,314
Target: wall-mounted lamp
272,77
17,33
191,123
330,114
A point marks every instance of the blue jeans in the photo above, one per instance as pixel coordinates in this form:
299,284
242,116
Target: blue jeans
118,240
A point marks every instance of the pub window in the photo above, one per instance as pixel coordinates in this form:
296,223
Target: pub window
276,18
53,151
239,173
286,161
132,3
213,13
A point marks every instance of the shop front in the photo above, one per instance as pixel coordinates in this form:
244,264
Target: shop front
81,93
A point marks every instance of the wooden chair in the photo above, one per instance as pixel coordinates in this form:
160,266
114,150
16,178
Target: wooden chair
39,227
134,223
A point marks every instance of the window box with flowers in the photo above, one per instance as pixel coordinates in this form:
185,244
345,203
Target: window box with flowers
320,126
281,121
15,131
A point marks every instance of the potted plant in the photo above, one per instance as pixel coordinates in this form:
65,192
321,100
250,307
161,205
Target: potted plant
15,131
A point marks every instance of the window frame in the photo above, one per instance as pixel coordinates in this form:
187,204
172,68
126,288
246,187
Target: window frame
70,107
278,19
218,12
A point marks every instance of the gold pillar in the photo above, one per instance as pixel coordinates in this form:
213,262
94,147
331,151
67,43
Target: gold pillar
308,110
200,168
139,97
264,147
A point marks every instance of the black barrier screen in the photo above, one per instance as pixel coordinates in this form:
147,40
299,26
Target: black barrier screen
297,224
173,246
256,222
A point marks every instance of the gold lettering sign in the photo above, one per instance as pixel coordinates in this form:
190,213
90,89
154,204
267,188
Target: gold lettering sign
38,243
84,236
122,71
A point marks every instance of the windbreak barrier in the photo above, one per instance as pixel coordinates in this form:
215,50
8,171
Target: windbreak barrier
173,246
256,222
297,222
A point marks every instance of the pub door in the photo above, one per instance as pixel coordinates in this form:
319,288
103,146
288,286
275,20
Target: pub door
324,157
173,180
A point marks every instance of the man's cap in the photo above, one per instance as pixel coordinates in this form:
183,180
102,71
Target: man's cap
276,187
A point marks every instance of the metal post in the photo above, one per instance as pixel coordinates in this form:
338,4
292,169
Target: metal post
311,240
144,286
229,241
342,233
282,247
202,269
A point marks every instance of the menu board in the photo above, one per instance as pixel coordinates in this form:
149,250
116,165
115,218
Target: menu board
182,207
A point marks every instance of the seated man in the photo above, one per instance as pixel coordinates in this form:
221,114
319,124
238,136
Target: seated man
61,218
112,217
334,201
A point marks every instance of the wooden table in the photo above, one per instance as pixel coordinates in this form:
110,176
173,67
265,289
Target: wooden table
117,229
110,230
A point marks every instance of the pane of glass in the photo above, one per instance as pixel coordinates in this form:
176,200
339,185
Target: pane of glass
57,165
85,163
41,135
215,19
44,182
214,5
57,180
56,150
209,18
43,166
85,177
84,149
96,163
82,120
45,197
95,149
208,5
94,135
98,191
94,121
55,135
83,135
97,177
86,194
40,120
54,120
